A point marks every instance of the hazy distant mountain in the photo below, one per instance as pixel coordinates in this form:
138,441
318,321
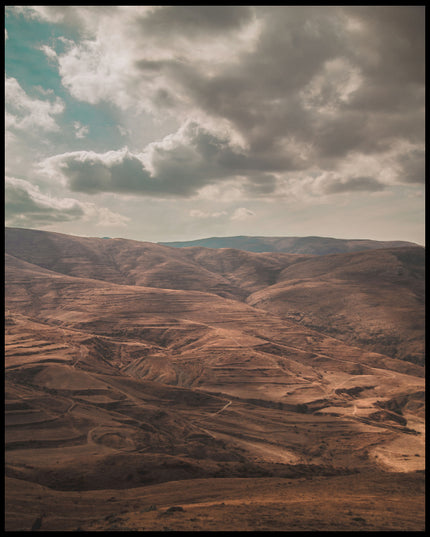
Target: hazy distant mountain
291,245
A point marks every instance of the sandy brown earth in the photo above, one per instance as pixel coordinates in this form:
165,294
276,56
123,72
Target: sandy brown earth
359,502
131,404
350,297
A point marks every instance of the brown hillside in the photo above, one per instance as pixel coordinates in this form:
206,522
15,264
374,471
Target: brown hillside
125,400
371,299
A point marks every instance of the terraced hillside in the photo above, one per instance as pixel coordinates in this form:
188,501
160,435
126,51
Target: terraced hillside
134,370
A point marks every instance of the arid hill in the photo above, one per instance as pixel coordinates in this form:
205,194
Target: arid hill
149,387
371,299
122,261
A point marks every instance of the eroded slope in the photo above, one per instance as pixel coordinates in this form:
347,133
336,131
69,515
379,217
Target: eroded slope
111,385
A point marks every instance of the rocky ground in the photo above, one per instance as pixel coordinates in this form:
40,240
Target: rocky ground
205,405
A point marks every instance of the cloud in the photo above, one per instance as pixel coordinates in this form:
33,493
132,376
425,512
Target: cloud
336,185
49,13
304,105
307,83
197,162
411,165
302,94
261,185
197,213
388,42
189,21
104,217
120,42
26,205
85,18
179,165
27,113
123,131
92,173
242,213
96,72
49,52
80,130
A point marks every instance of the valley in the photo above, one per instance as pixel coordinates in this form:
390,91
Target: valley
252,390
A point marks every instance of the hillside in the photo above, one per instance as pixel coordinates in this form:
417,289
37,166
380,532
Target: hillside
140,377
373,298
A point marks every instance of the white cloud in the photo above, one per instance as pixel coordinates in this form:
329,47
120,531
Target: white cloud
104,64
331,87
94,73
124,131
242,213
197,213
49,52
36,12
26,113
227,191
102,216
80,130
27,205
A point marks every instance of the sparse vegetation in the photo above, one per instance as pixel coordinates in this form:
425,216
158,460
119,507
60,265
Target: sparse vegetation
127,401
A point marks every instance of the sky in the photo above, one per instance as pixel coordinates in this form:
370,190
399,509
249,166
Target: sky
168,123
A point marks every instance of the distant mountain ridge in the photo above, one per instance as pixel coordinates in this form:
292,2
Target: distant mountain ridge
311,245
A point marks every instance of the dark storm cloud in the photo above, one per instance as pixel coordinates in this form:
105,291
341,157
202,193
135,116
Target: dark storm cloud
293,45
352,184
260,185
305,89
389,50
191,20
178,166
94,175
412,166
264,94
260,93
391,43
336,136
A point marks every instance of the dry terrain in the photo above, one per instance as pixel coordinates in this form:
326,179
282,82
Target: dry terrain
159,388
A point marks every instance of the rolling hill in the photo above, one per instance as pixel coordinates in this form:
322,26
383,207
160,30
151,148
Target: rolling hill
370,299
150,387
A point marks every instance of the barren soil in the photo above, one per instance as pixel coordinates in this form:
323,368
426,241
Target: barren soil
149,387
